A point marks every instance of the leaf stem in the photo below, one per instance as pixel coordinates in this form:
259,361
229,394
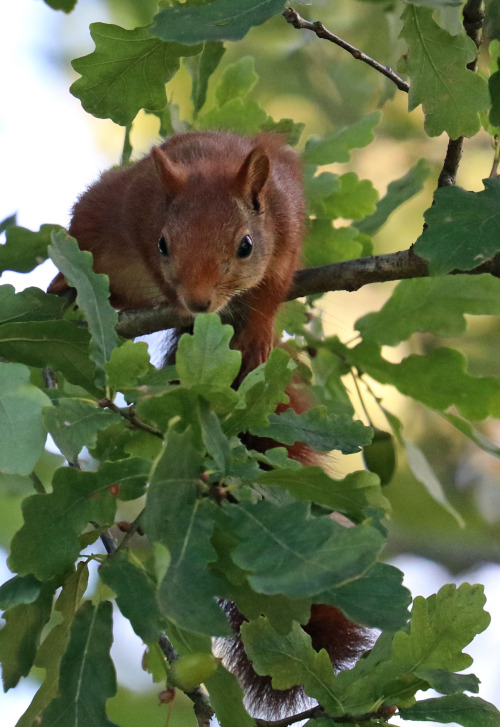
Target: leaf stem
129,415
293,17
362,401
127,146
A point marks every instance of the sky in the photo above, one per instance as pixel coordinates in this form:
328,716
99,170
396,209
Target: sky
48,154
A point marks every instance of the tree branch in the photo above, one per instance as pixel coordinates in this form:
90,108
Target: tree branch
293,17
349,275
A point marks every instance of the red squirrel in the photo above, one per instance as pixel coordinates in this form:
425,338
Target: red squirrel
208,221
212,221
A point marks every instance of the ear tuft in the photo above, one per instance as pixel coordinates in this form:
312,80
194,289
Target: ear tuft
172,176
252,176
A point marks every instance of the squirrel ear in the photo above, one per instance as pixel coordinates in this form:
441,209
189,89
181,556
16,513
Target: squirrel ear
252,176
172,175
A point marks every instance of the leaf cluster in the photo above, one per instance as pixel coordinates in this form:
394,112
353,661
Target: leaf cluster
218,507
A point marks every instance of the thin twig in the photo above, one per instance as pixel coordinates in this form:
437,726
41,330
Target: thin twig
287,721
383,712
448,175
106,539
293,17
130,416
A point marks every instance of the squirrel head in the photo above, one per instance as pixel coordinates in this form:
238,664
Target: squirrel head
216,240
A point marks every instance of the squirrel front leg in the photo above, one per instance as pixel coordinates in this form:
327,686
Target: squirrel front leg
257,338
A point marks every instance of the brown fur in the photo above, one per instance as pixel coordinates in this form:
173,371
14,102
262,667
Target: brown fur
204,191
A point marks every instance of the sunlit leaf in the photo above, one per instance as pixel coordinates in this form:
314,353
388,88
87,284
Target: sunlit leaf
431,305
126,72
452,96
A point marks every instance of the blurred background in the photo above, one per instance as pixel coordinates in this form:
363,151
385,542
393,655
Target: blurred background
50,149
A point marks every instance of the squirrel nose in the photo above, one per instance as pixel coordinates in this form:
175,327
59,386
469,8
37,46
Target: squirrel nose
198,306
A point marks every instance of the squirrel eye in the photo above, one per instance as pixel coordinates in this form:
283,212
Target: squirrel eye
246,247
162,246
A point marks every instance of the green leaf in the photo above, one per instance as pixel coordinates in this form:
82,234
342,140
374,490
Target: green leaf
292,317
20,637
459,708
319,430
377,599
438,379
291,660
135,596
21,405
424,473
30,304
475,436
92,296
217,20
398,192
200,69
260,392
237,80
214,439
286,551
48,542
352,200
127,72
288,127
61,345
325,244
435,4
350,496
494,86
24,249
74,424
226,698
66,5
54,645
441,626
204,359
446,682
239,115
87,677
7,222
431,305
179,519
20,589
127,364
452,96
457,236
337,147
